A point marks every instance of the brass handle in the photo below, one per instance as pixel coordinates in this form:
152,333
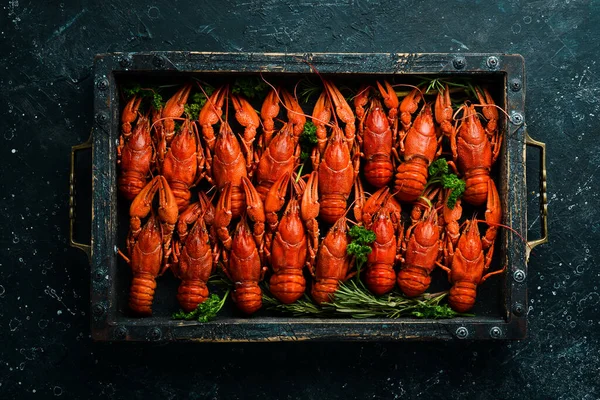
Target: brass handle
84,247
544,204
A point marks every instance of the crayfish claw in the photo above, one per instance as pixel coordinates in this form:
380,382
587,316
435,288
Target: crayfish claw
390,99
309,208
129,115
223,216
295,114
268,112
444,112
255,210
320,117
168,209
493,215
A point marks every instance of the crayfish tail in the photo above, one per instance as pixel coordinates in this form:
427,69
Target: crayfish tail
323,290
288,286
462,296
248,297
333,207
413,281
131,184
190,294
380,278
411,178
378,170
141,294
476,192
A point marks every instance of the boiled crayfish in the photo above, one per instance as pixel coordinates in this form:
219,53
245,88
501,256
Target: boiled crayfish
192,257
475,149
421,249
243,267
375,137
419,145
149,247
134,156
333,262
471,256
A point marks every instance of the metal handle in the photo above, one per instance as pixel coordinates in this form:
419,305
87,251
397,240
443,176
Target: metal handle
544,205
84,247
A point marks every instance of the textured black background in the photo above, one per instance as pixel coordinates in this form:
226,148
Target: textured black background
46,55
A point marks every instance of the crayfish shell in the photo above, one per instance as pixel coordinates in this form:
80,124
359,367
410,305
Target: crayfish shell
247,296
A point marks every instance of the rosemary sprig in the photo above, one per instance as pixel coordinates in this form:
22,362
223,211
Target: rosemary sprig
355,301
301,307
309,89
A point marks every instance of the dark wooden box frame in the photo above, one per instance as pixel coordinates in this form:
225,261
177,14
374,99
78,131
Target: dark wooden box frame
109,324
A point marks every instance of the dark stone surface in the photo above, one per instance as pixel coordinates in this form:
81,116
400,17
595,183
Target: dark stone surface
47,54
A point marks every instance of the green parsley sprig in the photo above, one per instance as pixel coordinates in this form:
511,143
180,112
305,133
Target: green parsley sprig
151,93
250,87
308,140
439,174
205,311
197,101
360,246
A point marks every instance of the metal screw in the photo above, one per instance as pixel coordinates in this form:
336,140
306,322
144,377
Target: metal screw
155,334
495,332
459,62
98,310
515,84
126,61
99,274
519,275
102,118
516,118
102,84
492,62
518,309
120,332
462,332
159,61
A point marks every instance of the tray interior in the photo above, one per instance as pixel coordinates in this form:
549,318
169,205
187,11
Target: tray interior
491,295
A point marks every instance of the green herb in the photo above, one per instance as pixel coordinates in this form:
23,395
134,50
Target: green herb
308,89
205,311
357,302
157,101
250,87
308,140
432,311
439,174
197,101
439,166
301,307
130,91
435,84
360,246
150,93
